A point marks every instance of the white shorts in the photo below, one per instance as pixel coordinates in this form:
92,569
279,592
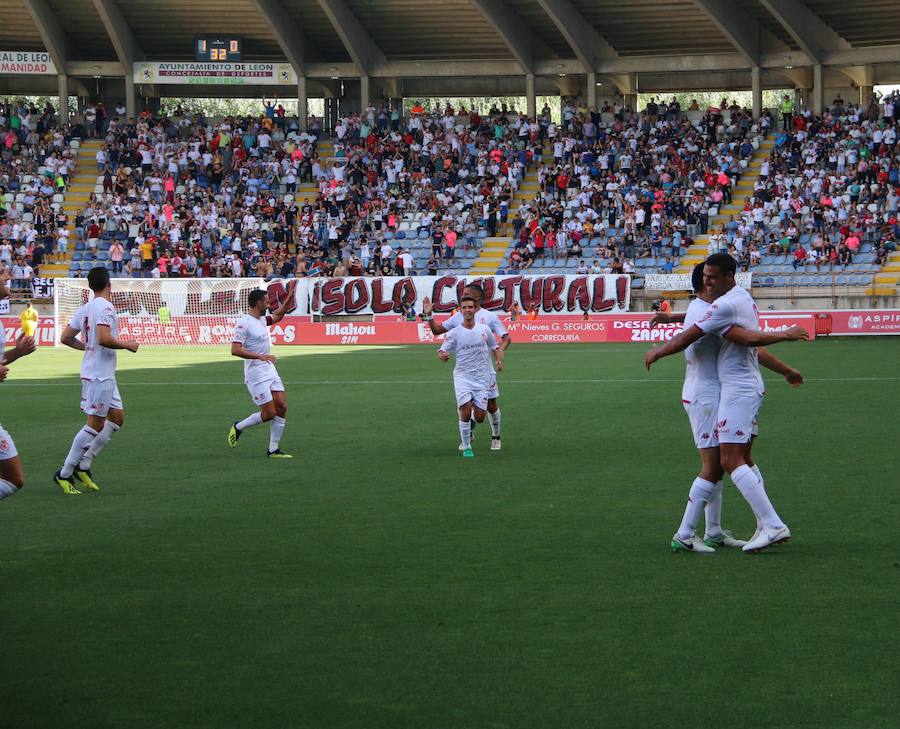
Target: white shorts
261,392
468,391
737,417
7,446
493,390
98,397
703,417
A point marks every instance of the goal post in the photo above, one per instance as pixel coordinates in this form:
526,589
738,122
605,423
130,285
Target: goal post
187,312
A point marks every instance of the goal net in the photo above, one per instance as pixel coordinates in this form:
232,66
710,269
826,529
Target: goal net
162,311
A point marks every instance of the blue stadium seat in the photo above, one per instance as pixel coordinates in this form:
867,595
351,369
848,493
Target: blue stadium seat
76,256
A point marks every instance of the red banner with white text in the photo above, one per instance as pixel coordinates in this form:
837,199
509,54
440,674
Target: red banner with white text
615,328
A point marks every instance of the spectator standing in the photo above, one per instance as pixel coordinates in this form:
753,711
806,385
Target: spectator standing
116,254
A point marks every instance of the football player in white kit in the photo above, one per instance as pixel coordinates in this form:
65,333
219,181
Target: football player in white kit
100,398
251,343
492,321
12,478
473,344
733,315
700,396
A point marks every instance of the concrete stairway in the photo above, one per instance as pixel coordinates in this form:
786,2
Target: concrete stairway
887,280
493,250
78,192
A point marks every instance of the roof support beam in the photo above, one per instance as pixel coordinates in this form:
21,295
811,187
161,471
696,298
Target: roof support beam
517,36
356,39
286,32
589,46
810,32
127,49
736,24
50,30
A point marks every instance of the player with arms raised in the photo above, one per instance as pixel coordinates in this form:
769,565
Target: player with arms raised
490,320
700,396
252,344
12,478
473,344
734,317
100,398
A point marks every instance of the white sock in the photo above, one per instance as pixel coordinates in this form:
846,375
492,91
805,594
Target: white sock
80,444
759,475
100,442
495,422
754,492
275,431
250,421
713,512
6,488
465,432
700,493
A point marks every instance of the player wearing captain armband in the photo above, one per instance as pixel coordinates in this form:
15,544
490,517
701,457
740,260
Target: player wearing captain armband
473,344
252,344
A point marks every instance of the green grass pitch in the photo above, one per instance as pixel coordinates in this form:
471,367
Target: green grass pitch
381,580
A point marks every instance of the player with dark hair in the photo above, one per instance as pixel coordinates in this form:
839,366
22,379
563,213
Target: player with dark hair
700,396
490,320
734,317
100,399
473,344
251,343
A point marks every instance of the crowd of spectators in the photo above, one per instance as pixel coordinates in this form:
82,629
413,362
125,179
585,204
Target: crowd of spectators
632,195
35,164
624,188
620,190
826,197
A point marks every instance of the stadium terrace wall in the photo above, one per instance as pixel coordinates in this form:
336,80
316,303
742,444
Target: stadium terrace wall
390,330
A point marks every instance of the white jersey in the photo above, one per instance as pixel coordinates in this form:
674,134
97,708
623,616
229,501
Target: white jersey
472,348
99,362
738,365
701,378
253,335
482,316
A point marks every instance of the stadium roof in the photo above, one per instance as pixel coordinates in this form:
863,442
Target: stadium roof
466,38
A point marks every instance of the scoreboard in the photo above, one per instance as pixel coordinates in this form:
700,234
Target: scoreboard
216,49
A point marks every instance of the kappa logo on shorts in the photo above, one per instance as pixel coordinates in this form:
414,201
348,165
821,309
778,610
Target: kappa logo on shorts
739,433
704,436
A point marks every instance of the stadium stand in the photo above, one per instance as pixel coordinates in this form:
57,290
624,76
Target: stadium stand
603,191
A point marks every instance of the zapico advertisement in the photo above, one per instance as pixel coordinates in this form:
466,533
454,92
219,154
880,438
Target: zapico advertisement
550,294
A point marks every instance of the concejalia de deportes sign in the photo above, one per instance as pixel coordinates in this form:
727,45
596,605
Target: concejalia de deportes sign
209,73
